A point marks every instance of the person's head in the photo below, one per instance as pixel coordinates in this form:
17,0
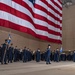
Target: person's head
1,45
74,51
6,41
38,49
25,47
49,46
11,44
57,49
15,47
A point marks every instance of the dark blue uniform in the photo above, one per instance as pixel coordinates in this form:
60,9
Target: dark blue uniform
57,56
0,54
38,56
48,53
63,57
15,55
24,55
10,54
54,56
74,56
69,57
4,53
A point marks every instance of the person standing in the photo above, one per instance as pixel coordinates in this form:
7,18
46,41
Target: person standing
48,53
24,54
11,53
38,55
57,55
4,52
0,53
74,56
15,54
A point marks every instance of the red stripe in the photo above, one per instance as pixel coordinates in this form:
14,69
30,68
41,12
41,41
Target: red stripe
45,19
8,24
24,29
25,17
22,3
50,6
51,23
15,12
48,30
56,4
60,2
26,6
37,16
47,12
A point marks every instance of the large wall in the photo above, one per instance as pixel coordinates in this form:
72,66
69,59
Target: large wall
69,28
22,39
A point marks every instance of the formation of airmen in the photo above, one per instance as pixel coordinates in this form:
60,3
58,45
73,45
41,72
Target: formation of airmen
9,54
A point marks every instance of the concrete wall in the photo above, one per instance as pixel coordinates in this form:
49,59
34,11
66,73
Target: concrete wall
69,28
22,39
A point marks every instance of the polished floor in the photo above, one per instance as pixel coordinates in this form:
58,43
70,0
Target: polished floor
33,68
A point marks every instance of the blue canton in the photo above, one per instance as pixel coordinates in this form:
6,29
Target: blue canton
32,1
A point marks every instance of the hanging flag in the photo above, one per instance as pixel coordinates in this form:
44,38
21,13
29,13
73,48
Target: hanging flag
40,18
9,38
61,50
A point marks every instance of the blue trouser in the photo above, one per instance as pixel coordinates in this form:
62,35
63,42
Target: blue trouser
10,57
48,60
37,58
3,57
25,58
74,57
15,57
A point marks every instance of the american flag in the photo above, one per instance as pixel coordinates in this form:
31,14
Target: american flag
40,18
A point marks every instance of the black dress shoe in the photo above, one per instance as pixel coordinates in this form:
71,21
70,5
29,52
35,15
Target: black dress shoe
49,63
5,63
1,63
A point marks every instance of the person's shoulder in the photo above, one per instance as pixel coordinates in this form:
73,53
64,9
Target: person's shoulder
3,44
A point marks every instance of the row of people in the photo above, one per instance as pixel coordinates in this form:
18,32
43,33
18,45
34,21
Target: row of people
11,54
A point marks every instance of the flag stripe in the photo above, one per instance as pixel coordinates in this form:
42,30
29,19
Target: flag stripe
27,24
7,9
43,10
26,6
32,11
46,5
51,20
6,23
42,20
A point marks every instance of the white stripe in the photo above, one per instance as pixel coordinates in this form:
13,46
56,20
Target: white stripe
45,24
18,7
26,11
22,9
6,1
50,10
24,23
51,3
37,11
58,3
29,4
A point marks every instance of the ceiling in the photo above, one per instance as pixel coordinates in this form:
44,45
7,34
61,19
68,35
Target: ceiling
67,3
